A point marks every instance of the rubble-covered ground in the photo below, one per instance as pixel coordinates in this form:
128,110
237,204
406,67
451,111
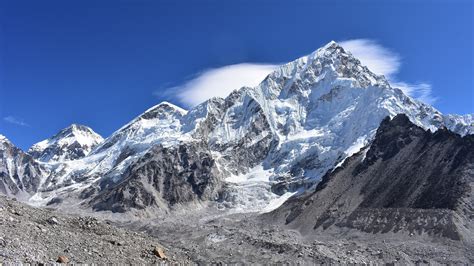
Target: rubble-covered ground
33,235
243,238
209,235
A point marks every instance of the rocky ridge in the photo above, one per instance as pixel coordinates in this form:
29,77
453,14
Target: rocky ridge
408,181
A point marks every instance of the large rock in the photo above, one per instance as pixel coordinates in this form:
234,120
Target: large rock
160,253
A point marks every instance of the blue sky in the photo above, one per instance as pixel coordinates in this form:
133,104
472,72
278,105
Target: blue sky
101,63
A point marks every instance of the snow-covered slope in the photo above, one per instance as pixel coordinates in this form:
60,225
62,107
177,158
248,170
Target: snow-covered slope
71,143
324,106
301,121
462,124
109,160
160,123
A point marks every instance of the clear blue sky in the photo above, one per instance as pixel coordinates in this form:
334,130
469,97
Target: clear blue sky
98,62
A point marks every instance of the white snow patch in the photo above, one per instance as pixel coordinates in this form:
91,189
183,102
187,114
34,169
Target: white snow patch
277,202
353,149
255,175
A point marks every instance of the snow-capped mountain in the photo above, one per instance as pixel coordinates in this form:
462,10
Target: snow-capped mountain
280,136
71,143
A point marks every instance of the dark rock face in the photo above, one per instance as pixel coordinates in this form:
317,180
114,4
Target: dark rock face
19,172
433,174
407,180
162,178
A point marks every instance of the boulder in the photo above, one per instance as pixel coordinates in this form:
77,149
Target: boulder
62,259
53,221
159,252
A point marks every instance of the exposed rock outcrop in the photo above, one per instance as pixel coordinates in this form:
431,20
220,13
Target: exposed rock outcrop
163,177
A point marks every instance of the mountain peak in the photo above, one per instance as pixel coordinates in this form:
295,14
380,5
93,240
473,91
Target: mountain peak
78,127
331,61
72,142
167,105
74,129
332,45
161,121
2,137
163,109
4,140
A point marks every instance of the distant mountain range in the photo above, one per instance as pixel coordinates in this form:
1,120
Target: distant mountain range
250,151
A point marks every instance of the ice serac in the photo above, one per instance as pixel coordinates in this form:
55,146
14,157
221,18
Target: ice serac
409,180
71,143
20,174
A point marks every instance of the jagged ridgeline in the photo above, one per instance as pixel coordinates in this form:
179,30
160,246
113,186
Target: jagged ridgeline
409,180
249,151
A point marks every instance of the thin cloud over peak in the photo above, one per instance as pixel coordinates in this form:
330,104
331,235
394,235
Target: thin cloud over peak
383,61
379,59
420,91
220,82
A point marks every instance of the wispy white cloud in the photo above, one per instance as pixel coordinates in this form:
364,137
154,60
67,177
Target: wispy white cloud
384,61
222,81
421,91
378,59
219,82
15,121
